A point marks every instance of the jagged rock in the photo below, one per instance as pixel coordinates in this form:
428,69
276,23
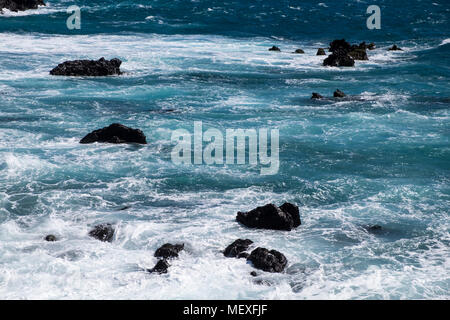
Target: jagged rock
339,58
371,46
20,5
299,51
338,94
168,250
321,52
358,54
292,209
91,68
340,45
160,267
274,48
315,95
115,133
269,261
237,248
270,217
103,232
253,274
50,237
395,48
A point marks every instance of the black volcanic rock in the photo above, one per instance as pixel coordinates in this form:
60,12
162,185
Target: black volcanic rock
270,217
50,237
20,5
237,248
321,52
274,48
269,261
115,133
168,250
339,58
358,54
338,94
340,45
395,48
160,267
91,68
299,51
292,209
103,232
315,95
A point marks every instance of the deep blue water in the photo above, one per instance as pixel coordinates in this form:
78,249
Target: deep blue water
380,156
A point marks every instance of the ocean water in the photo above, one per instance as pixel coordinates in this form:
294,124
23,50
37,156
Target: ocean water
380,156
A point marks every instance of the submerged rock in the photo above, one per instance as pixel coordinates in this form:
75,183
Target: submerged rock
50,237
103,232
271,217
269,261
160,267
315,95
237,248
299,51
374,228
395,48
91,68
168,250
115,133
338,94
20,5
274,48
321,52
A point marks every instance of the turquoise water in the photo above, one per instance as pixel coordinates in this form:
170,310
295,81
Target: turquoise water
380,156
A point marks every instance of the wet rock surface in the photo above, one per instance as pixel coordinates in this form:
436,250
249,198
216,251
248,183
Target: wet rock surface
115,133
89,68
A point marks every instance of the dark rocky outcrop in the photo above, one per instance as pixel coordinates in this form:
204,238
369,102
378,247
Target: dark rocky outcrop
292,209
168,251
358,54
115,133
274,48
269,261
103,232
160,267
339,58
270,217
237,248
344,54
20,5
50,237
315,95
336,45
299,51
88,68
321,52
371,46
395,48
338,94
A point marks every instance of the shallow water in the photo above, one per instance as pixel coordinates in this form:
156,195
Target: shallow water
380,156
